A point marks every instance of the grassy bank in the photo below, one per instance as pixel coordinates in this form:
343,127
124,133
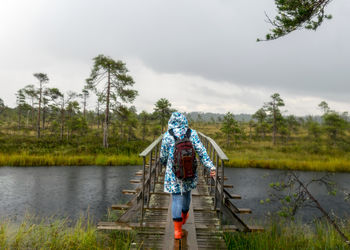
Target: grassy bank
274,159
243,159
291,236
57,234
68,160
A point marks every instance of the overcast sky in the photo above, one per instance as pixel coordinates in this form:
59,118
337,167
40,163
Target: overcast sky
202,55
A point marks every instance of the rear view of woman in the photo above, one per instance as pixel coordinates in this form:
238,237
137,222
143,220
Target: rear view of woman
180,188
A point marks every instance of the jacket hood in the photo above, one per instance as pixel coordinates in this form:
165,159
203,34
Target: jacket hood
178,122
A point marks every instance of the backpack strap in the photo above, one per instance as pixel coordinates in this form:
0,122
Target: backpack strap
188,133
171,132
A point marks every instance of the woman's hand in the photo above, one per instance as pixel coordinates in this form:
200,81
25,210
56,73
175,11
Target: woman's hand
212,173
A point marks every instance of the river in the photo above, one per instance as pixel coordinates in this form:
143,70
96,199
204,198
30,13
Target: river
71,191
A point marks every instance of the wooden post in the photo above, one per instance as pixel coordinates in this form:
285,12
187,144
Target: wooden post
156,166
216,180
205,170
211,158
149,177
143,188
222,187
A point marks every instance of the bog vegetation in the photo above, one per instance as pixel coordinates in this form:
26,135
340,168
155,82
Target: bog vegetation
50,126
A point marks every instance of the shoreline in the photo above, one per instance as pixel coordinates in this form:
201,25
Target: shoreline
47,160
26,160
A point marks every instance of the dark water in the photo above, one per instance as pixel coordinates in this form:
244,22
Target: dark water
62,191
70,191
253,185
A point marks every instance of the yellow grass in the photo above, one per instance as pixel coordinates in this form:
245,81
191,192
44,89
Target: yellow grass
68,160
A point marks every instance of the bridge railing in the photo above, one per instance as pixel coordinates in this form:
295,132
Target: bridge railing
150,172
152,169
222,197
218,158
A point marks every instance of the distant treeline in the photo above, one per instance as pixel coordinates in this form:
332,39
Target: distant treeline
55,117
217,117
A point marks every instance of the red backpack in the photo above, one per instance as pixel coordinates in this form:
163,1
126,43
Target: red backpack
185,164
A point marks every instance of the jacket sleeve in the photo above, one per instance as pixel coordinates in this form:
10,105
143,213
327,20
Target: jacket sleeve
201,151
164,150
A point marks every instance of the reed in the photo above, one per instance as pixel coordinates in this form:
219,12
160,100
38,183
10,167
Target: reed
288,236
25,159
292,161
49,233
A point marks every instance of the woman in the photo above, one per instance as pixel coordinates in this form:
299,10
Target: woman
180,190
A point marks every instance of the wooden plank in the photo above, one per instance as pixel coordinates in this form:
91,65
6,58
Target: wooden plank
190,239
129,191
244,210
129,226
134,209
156,208
113,226
168,242
120,206
256,229
232,210
218,185
229,228
231,196
135,181
201,209
159,193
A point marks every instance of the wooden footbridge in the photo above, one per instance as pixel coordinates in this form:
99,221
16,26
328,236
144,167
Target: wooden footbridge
148,212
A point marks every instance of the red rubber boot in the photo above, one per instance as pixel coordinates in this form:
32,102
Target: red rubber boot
177,230
184,217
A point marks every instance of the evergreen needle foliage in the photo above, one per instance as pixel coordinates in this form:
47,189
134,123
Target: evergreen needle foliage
296,14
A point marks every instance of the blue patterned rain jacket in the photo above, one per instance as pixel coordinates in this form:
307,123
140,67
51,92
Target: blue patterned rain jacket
179,124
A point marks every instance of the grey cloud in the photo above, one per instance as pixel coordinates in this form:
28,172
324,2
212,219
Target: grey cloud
212,39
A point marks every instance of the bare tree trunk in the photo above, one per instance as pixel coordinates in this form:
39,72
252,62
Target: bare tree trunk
98,115
33,115
129,134
84,112
19,118
27,121
274,110
69,119
274,128
250,133
121,129
234,137
318,205
62,122
39,109
44,117
105,129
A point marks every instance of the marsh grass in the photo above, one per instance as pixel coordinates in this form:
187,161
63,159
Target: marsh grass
50,233
289,236
274,159
25,159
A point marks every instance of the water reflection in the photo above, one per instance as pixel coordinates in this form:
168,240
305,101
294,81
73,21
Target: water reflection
70,191
253,186
62,191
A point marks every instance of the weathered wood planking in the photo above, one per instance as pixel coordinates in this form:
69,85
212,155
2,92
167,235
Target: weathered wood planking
154,225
